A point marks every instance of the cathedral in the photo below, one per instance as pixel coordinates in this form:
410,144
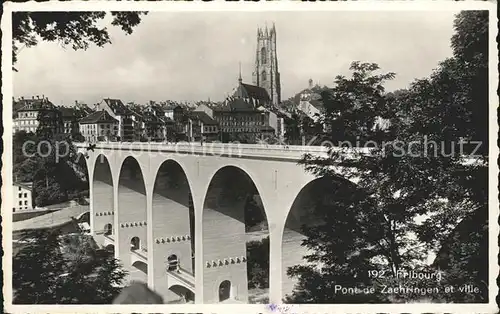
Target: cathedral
266,74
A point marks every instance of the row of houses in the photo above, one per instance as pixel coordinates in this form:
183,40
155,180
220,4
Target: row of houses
248,110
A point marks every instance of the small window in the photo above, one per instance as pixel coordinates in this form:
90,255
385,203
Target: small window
19,188
25,194
20,195
20,203
25,202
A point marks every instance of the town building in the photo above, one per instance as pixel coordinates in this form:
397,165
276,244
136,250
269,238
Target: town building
180,119
99,126
249,113
117,110
38,114
201,127
158,127
266,74
22,199
70,117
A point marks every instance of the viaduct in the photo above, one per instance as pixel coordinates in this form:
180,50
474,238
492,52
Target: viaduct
174,214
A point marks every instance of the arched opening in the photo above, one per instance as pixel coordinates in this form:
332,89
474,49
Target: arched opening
110,248
317,214
224,290
81,183
264,76
108,229
135,244
85,217
173,263
173,214
234,219
181,295
132,218
263,55
139,272
102,197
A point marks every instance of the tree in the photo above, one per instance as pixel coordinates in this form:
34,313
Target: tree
75,29
258,263
353,104
419,170
51,163
52,270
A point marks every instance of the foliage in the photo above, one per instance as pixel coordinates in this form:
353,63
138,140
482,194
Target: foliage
254,214
51,163
75,29
353,105
301,129
415,178
344,246
258,263
50,270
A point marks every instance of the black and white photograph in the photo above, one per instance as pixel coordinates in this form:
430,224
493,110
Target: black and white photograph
202,157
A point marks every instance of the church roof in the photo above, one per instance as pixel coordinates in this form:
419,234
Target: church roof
252,91
239,104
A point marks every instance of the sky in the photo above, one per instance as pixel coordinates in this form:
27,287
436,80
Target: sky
192,56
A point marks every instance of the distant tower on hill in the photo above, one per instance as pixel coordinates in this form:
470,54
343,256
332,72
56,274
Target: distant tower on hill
266,74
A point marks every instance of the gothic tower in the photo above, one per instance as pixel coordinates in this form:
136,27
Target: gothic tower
266,73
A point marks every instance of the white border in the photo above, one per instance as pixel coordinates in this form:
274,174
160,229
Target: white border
421,5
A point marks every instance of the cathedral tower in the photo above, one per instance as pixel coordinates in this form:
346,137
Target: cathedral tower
266,73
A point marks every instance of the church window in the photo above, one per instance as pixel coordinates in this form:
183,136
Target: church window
264,76
263,55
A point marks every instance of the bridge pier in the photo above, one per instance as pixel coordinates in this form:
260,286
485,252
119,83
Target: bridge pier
275,258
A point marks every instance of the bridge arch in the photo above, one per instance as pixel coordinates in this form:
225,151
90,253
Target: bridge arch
81,169
132,218
103,197
319,192
173,219
183,294
141,266
235,226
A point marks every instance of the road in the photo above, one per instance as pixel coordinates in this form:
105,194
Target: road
54,219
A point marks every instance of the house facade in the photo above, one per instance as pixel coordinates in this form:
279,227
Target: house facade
99,126
22,196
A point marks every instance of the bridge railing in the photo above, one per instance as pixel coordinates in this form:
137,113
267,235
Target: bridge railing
231,149
184,276
292,152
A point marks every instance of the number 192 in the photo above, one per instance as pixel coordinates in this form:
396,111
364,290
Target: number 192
376,274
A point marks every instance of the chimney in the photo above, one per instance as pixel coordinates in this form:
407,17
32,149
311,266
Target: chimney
37,97
310,83
32,97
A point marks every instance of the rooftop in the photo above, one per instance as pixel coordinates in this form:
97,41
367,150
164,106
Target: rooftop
116,106
25,185
203,117
251,91
98,117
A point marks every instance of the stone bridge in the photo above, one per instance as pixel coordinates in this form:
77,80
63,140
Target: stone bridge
158,205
